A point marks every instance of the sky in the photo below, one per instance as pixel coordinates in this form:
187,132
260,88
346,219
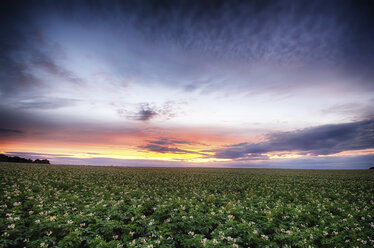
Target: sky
267,84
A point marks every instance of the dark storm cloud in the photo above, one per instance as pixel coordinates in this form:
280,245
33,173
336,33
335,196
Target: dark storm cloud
321,140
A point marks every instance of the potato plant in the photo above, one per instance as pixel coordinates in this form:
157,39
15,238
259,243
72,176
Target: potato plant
82,206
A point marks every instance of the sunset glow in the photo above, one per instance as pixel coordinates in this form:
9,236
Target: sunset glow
195,83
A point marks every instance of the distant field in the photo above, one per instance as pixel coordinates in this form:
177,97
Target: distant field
77,206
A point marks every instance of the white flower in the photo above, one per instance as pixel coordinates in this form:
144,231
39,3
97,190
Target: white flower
43,244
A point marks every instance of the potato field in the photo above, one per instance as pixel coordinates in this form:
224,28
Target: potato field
83,206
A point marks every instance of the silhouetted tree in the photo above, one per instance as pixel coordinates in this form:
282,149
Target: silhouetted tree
16,159
41,161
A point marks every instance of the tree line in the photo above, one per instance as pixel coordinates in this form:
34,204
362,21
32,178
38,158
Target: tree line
16,159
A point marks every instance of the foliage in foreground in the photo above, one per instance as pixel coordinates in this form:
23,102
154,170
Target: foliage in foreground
67,206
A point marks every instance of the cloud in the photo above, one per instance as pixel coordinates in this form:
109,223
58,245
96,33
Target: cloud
44,62
273,32
33,155
29,60
145,113
45,103
6,131
21,119
165,145
354,109
149,111
165,149
320,140
167,141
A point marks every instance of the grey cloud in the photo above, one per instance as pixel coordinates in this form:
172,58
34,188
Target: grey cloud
45,103
148,111
270,31
21,119
165,149
145,113
165,145
320,140
274,32
23,50
7,131
358,111
34,155
253,156
167,141
46,63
